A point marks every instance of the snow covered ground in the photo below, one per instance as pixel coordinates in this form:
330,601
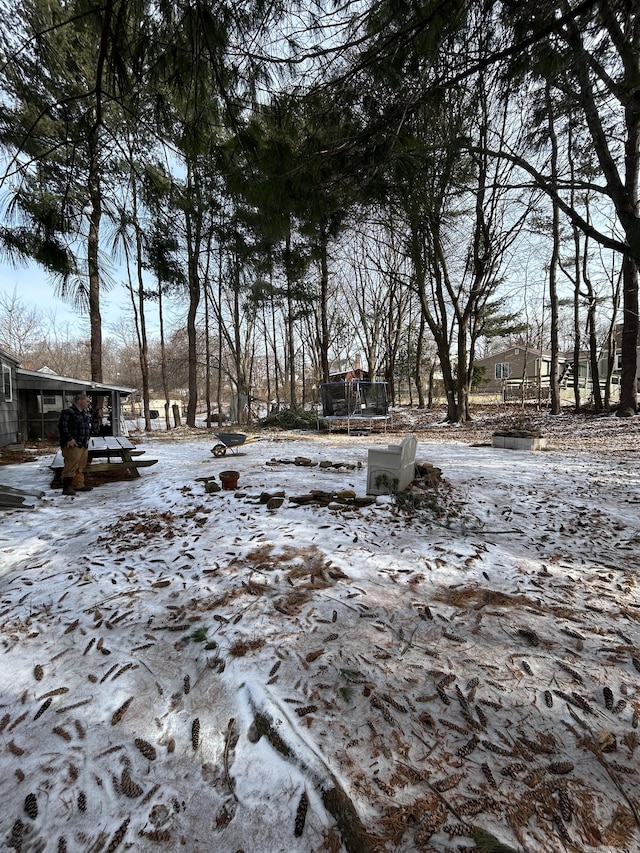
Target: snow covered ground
192,670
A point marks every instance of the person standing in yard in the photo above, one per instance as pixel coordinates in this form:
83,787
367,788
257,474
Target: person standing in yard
74,426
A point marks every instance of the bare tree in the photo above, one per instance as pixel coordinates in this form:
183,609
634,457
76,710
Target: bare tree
21,326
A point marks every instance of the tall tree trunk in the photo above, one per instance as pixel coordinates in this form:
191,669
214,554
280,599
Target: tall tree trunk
207,333
462,380
623,193
277,372
553,263
323,331
628,380
143,343
577,332
611,339
95,201
593,352
630,266
591,332
554,385
163,348
220,350
418,378
577,292
194,237
93,263
207,354
432,371
192,313
290,344
265,343
144,400
242,383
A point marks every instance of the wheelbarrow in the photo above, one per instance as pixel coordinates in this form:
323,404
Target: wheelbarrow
229,441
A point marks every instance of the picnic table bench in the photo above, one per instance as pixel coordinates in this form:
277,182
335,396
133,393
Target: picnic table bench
118,451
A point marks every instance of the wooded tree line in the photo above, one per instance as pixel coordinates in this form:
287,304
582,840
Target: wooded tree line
312,182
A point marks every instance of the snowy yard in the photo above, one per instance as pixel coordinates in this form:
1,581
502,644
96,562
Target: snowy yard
185,670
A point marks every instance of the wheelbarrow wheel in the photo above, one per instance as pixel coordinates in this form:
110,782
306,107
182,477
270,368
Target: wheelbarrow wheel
219,450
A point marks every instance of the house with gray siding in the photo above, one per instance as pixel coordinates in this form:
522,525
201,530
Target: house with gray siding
43,395
9,417
31,402
616,372
524,372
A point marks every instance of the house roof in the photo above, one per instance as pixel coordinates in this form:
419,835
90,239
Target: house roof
533,352
9,355
46,381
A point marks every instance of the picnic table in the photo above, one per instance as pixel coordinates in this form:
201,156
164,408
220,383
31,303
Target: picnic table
109,454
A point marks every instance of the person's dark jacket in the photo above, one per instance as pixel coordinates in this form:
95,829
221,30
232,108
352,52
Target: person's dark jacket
75,424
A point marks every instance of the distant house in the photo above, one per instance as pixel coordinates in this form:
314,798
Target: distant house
9,418
133,408
523,371
616,373
347,371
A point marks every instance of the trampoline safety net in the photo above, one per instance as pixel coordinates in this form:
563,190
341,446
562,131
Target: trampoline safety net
354,399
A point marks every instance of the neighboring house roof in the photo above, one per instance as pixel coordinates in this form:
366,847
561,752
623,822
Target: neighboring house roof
568,354
515,349
345,365
530,352
348,374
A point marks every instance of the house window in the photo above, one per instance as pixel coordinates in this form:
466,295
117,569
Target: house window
50,403
7,386
502,370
